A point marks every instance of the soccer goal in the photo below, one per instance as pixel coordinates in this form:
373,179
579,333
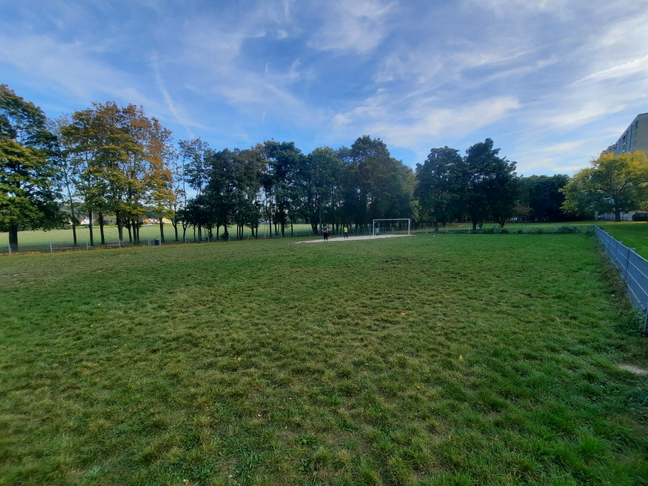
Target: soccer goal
388,226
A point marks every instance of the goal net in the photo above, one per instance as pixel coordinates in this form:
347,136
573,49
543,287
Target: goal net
391,226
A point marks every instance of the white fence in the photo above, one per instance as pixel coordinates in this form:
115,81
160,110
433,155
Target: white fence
632,267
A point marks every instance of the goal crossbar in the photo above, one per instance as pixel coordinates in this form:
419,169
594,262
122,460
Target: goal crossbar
409,224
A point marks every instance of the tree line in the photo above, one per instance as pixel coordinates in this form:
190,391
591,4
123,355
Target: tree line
115,161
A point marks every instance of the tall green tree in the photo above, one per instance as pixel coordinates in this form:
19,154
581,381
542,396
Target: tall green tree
319,177
438,188
68,170
98,143
491,184
284,161
612,183
28,172
541,197
378,185
193,155
159,154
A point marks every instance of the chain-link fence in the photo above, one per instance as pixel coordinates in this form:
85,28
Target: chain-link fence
632,267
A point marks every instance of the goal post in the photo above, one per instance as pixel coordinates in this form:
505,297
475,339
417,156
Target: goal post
376,230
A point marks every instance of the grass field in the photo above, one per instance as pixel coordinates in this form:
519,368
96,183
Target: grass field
28,239
433,360
64,236
634,235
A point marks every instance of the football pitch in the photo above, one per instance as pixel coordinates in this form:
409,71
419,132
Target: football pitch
431,360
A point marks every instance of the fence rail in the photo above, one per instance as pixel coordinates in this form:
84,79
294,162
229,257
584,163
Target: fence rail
632,267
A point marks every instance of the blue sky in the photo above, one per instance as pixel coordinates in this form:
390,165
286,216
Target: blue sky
553,82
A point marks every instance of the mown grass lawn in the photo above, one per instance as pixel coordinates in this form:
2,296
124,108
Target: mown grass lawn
29,239
436,360
634,235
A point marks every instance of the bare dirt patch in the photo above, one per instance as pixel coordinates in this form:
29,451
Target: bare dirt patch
633,369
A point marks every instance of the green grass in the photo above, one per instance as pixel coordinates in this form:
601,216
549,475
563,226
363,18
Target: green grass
435,360
32,240
28,239
634,235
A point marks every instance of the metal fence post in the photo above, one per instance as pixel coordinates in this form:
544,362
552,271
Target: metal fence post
10,249
625,276
51,251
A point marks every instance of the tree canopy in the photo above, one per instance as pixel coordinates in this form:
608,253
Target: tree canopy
28,173
481,185
612,183
116,162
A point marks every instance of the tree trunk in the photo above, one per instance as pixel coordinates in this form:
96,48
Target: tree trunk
69,191
130,234
101,228
90,228
474,223
436,226
617,215
13,237
319,210
74,235
120,228
161,230
175,227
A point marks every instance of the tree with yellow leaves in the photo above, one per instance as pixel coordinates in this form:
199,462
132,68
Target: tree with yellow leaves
613,183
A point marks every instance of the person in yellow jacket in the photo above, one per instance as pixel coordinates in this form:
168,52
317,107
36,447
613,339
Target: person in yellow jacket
346,231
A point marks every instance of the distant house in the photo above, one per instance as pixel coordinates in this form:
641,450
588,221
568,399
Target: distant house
610,216
150,221
167,221
86,221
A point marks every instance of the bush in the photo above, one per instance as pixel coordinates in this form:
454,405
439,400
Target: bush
567,229
640,217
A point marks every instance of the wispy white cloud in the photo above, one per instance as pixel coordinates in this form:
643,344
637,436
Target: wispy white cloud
176,111
359,26
422,122
522,7
69,67
639,65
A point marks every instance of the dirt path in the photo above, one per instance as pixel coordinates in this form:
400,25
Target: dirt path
352,238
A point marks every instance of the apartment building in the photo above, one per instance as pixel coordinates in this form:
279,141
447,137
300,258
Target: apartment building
634,138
